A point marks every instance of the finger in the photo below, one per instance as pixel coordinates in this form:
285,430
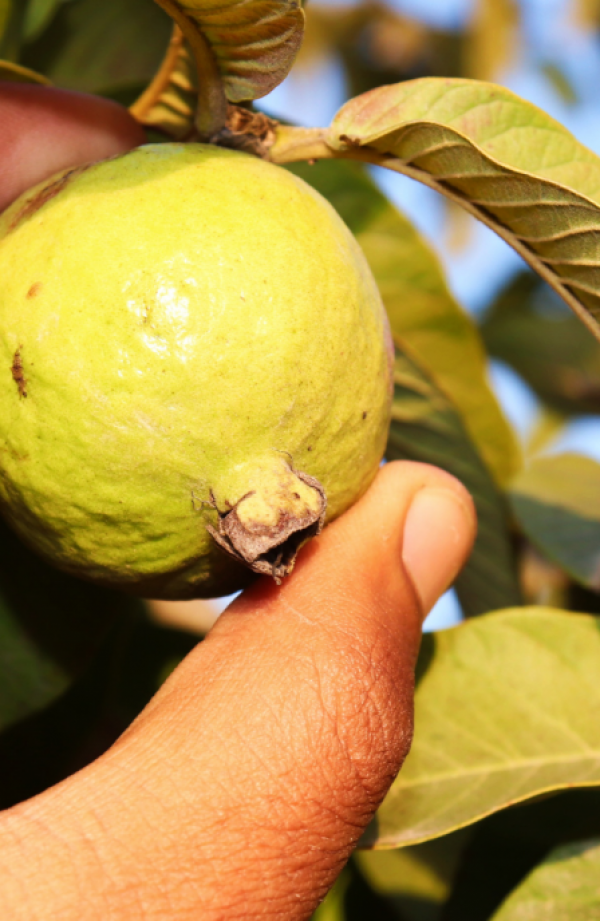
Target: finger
245,784
45,130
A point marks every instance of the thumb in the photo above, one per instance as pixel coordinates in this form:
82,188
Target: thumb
45,130
243,787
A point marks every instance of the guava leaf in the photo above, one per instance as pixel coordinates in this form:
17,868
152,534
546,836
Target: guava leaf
50,626
254,42
565,887
507,708
505,848
98,47
12,19
5,11
15,73
421,309
529,327
426,427
126,669
493,38
423,874
38,15
505,161
555,500
168,104
332,907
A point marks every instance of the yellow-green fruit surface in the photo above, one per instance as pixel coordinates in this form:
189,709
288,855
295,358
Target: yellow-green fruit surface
179,327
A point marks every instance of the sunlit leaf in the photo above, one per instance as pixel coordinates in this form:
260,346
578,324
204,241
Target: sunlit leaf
169,102
332,908
15,73
586,13
101,47
530,328
555,500
561,81
507,708
254,42
426,427
565,887
50,625
493,38
421,309
506,161
416,880
546,427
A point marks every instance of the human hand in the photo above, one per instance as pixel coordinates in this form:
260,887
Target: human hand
244,785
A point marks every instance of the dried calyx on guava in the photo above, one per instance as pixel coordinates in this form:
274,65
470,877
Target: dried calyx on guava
196,369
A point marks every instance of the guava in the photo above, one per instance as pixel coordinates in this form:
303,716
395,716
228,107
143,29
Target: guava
196,369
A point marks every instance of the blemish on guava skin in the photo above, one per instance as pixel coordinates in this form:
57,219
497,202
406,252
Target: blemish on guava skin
18,373
34,290
14,454
45,194
364,415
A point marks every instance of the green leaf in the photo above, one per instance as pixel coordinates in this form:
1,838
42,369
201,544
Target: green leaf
416,880
332,907
555,500
506,709
493,40
242,50
122,676
38,15
5,10
254,42
501,158
421,310
12,17
564,887
50,626
97,47
530,328
505,847
15,73
426,427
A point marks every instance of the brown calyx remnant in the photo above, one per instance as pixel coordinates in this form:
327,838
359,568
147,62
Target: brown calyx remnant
246,130
45,194
270,550
17,372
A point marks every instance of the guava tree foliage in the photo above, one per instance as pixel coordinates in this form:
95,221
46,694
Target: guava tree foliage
508,703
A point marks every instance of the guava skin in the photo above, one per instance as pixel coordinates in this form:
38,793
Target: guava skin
180,328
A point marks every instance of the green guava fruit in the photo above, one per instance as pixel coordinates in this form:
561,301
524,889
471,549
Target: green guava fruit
196,369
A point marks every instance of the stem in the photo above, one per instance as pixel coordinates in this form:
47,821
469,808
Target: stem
212,102
293,144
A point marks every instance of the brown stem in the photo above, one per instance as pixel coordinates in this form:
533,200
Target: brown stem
212,102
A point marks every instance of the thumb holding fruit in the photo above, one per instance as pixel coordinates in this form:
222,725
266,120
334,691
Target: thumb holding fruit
245,784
